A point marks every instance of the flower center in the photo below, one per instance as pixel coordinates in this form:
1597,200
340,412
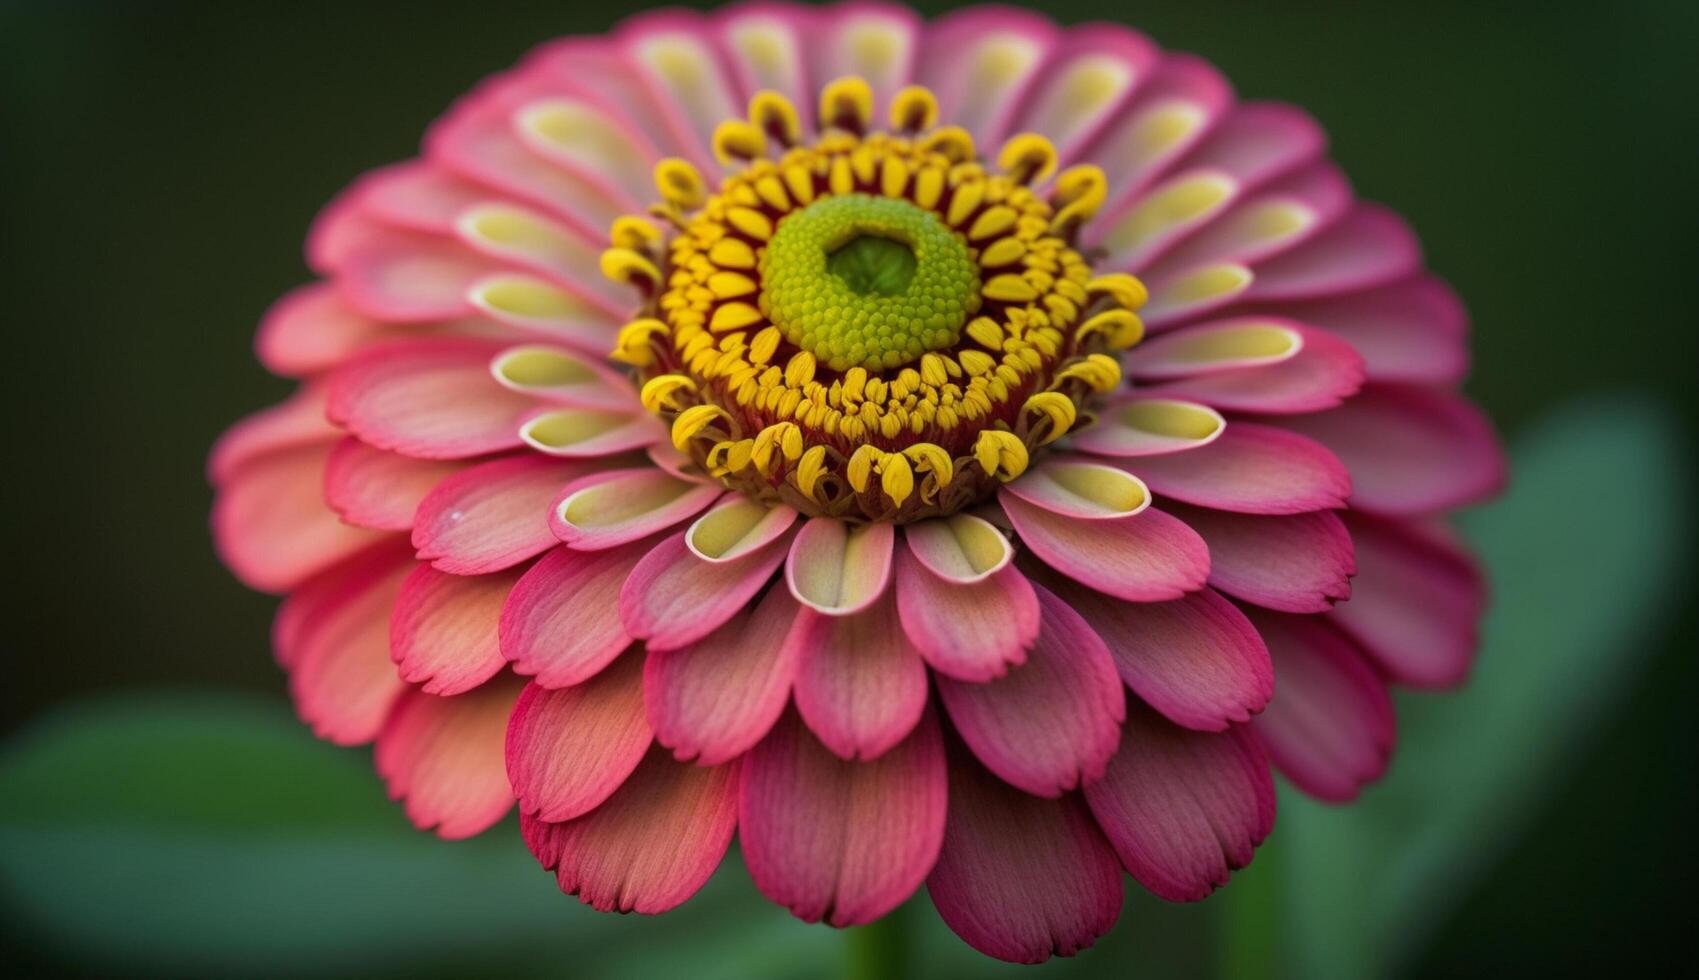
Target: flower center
875,326
867,281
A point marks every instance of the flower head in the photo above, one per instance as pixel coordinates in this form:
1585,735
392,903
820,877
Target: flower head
966,454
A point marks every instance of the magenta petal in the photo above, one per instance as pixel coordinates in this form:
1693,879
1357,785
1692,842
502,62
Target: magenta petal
1415,603
429,398
674,598
1370,246
492,516
652,845
713,700
444,757
1196,659
1019,877
334,637
1414,330
843,841
1183,809
556,626
1251,469
1410,449
1148,557
1051,723
570,749
861,684
1321,375
970,631
443,631
1297,563
1330,727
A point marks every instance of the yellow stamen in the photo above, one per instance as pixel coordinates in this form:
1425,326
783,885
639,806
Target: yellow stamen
1027,158
736,140
914,109
847,103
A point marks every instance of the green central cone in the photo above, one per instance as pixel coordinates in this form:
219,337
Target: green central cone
867,281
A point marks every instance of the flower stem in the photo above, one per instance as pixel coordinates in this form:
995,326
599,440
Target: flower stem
879,950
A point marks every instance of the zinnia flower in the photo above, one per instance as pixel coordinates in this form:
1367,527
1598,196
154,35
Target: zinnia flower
967,453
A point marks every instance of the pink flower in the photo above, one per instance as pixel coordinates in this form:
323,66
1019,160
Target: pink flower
921,450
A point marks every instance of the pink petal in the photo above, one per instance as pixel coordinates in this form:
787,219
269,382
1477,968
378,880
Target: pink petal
1251,469
1370,246
1148,557
710,702
840,840
1090,76
493,515
861,684
766,47
1186,93
340,676
673,598
1019,877
556,626
444,757
270,523
652,845
1052,723
312,329
290,424
443,631
970,631
419,195
605,510
1321,375
875,41
1297,563
1282,215
1330,726
978,61
670,51
1080,487
1259,142
837,569
410,278
1415,603
429,398
1410,449
1414,330
380,490
1196,659
1183,809
568,750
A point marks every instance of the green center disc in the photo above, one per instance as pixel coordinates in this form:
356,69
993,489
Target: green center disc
867,281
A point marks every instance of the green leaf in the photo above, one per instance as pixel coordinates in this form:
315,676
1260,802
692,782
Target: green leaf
1582,554
210,834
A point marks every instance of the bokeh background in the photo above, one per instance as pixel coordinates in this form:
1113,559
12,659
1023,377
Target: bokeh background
161,813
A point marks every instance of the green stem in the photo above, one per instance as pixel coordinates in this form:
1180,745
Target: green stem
879,951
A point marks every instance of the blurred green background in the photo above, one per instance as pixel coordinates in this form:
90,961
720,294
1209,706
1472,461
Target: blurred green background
161,813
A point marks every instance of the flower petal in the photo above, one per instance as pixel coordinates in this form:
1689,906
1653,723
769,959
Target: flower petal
443,633
961,549
1052,723
493,515
1251,469
1298,563
972,631
1414,330
311,329
979,60
340,674
1320,375
433,399
713,700
737,527
673,598
652,845
568,750
1089,76
605,510
1410,449
860,683
1183,809
444,757
837,569
1183,100
1019,877
839,840
270,523
1330,727
671,51
1141,426
875,41
1370,246
766,48
1081,488
402,277
381,490
1148,557
1197,659
295,422
1415,603
555,626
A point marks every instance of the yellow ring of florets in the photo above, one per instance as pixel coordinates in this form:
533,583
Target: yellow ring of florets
927,432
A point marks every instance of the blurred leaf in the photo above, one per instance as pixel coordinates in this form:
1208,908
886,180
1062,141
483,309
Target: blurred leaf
210,834
1583,556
